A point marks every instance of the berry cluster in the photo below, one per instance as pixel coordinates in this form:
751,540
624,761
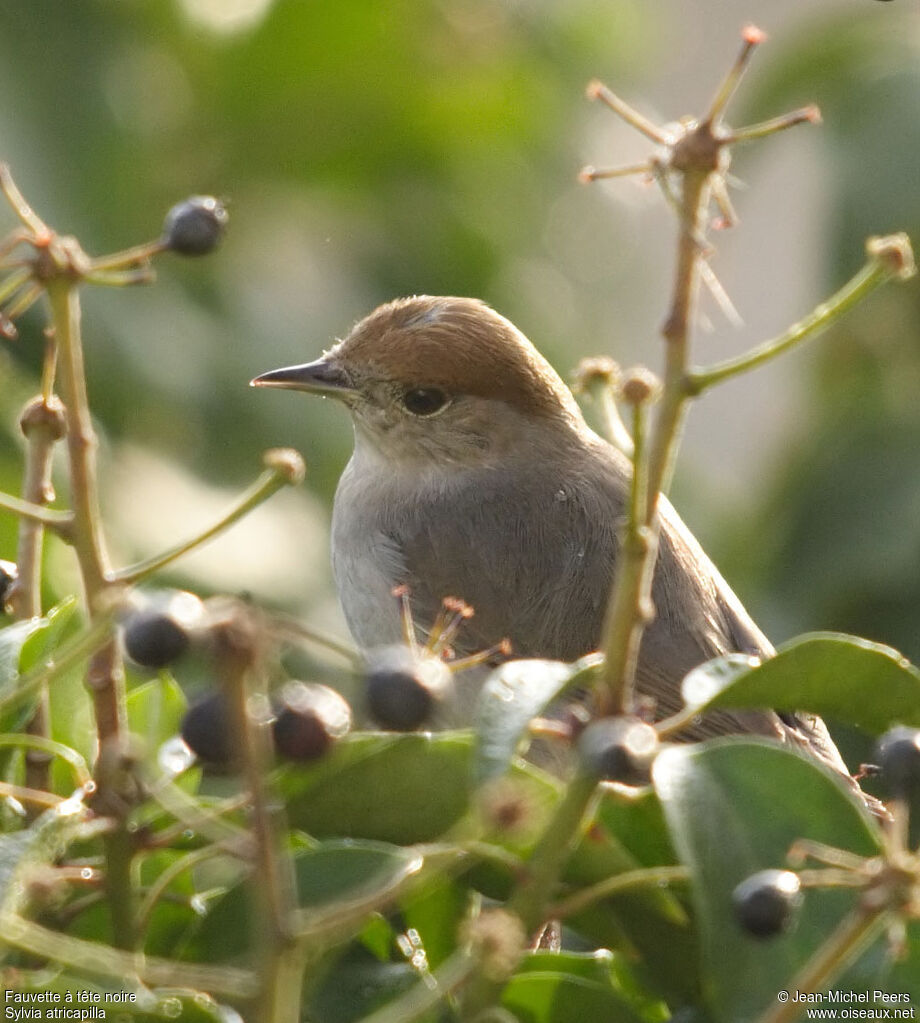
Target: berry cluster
404,687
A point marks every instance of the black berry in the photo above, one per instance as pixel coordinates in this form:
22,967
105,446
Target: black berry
194,226
158,631
766,903
404,688
9,573
309,720
618,749
898,755
206,730
154,639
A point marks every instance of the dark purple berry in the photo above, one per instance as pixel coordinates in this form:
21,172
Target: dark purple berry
766,903
206,730
9,573
158,631
897,753
618,749
194,226
309,720
404,687
154,639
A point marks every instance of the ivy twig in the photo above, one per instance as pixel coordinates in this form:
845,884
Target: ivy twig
42,423
284,467
531,898
628,613
52,518
643,877
273,886
854,933
887,258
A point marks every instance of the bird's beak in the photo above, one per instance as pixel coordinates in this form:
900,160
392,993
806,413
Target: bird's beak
319,377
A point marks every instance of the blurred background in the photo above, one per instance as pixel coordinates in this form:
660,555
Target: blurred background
368,150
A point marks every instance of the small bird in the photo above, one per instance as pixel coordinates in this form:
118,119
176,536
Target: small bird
475,475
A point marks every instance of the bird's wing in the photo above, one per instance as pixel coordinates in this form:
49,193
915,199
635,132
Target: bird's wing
732,630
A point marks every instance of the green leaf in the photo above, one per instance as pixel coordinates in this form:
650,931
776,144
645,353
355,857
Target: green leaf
44,640
12,640
356,986
336,872
339,884
566,988
512,696
393,788
436,912
858,682
414,788
735,806
24,645
378,937
155,710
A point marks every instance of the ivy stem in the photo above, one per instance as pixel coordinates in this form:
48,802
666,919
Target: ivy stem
105,673
630,608
643,877
887,258
273,886
531,898
627,613
105,676
42,424
269,482
51,518
854,932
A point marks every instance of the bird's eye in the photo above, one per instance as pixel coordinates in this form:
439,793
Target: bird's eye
424,401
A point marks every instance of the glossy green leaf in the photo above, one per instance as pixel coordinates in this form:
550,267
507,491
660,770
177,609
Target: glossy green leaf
393,788
12,640
735,806
436,913
514,694
413,788
169,919
704,682
155,710
336,872
43,641
566,988
72,719
339,884
356,985
22,646
378,937
856,681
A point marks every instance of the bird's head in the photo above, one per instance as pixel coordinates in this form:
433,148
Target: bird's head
443,379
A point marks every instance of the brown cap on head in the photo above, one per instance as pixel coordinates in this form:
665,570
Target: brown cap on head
459,345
